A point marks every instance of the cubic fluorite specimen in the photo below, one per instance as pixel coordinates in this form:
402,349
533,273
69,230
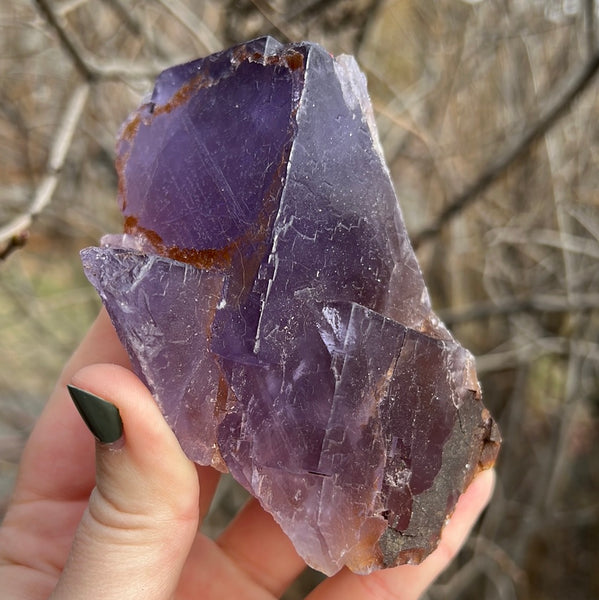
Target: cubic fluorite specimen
268,295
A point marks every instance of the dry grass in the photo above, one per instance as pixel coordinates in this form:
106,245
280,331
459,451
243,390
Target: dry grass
488,114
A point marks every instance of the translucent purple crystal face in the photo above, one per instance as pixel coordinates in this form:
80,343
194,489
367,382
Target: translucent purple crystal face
268,295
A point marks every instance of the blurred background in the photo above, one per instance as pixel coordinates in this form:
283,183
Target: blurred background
488,114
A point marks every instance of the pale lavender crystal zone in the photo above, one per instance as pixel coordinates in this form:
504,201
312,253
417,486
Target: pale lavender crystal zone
267,293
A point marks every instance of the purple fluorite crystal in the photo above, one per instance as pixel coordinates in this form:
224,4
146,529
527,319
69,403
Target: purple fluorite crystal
268,295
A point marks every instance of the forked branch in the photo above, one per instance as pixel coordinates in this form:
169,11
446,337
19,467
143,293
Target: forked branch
556,109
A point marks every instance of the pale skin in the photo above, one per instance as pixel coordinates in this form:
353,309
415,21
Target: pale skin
108,522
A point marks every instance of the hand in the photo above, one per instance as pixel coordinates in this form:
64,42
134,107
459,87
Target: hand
129,527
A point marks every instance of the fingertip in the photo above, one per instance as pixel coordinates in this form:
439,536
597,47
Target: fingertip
477,495
143,423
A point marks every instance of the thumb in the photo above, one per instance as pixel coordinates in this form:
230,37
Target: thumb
142,515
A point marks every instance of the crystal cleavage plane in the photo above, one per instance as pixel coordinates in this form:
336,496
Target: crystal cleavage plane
268,295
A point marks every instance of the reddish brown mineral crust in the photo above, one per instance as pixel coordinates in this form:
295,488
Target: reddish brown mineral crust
202,259
267,293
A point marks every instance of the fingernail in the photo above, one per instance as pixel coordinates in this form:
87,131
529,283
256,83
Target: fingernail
102,418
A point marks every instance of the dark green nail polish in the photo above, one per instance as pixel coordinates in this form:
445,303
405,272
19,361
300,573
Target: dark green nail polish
102,418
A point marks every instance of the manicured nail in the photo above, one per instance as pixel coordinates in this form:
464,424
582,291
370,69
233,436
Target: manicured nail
102,418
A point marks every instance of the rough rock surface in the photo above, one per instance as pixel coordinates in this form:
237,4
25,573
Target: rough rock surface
267,292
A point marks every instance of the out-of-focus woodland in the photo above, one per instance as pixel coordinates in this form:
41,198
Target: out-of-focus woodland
488,112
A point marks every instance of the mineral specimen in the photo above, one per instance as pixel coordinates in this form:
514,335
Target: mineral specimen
268,295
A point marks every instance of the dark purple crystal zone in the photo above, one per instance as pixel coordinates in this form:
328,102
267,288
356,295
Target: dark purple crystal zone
295,344
172,152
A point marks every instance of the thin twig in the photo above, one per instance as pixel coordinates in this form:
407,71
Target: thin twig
460,580
555,110
68,6
283,26
565,242
14,234
116,70
526,353
57,23
558,460
589,25
90,69
138,27
308,9
538,303
504,561
190,20
523,354
126,16
370,14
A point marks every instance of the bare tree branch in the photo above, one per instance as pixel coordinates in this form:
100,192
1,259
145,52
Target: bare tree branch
127,16
67,7
555,110
190,20
538,303
521,355
526,353
589,18
14,234
309,9
285,28
56,22
566,242
92,70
